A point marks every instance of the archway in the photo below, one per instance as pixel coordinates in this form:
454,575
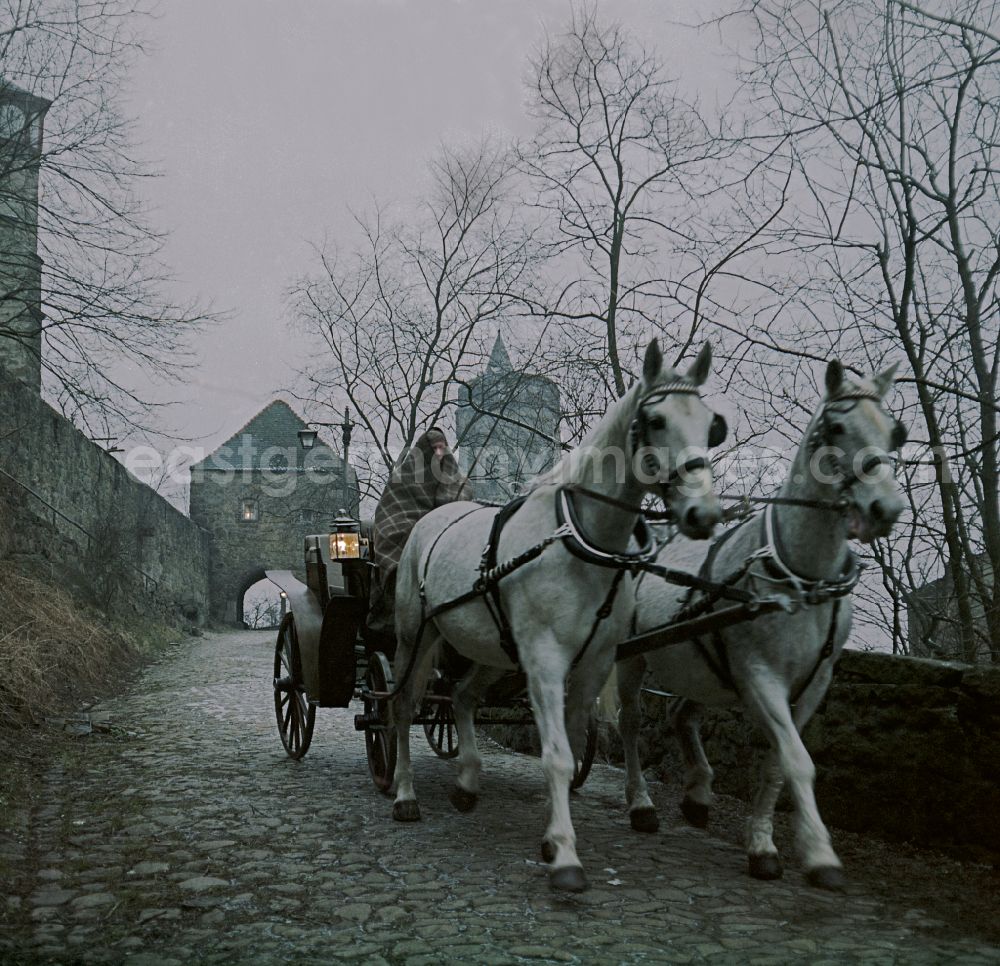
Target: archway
260,604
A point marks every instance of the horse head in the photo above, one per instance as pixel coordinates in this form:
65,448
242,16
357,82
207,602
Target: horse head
669,436
850,444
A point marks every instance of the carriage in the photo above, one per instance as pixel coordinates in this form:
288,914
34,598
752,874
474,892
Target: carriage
779,671
325,657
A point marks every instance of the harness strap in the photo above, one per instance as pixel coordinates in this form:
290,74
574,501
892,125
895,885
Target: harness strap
568,530
826,651
426,616
719,665
489,577
603,612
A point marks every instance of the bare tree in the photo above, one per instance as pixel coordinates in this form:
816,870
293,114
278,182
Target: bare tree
404,320
104,328
655,218
892,114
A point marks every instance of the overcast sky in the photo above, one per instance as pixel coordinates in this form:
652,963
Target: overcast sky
270,119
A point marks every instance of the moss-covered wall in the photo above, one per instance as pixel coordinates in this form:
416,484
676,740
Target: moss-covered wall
129,527
904,747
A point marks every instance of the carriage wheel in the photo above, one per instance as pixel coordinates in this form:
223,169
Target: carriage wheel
439,721
581,768
380,739
295,713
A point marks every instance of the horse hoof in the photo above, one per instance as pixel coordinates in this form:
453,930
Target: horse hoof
548,851
644,819
829,877
568,878
695,812
406,811
462,800
765,866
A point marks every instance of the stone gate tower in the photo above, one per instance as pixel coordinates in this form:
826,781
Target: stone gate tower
21,118
258,495
508,427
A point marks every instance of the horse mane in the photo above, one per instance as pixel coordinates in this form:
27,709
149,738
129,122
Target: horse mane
614,421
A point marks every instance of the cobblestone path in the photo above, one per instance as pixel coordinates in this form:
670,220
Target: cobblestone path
185,835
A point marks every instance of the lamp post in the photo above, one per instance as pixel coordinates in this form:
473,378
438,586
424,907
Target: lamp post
307,439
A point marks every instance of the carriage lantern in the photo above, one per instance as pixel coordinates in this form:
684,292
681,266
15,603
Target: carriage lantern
345,538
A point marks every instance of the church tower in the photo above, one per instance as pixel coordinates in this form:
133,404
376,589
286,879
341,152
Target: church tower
21,118
508,427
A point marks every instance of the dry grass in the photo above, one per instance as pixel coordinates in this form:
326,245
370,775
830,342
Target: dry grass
52,651
56,653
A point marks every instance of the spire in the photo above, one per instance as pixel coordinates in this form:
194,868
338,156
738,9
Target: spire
499,360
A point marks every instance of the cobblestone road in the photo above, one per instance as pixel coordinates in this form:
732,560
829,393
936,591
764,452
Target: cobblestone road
194,839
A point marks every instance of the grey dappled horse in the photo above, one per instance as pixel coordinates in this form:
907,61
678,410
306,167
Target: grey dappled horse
840,487
551,603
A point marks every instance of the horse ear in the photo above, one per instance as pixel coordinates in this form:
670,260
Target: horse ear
834,377
653,363
702,365
884,380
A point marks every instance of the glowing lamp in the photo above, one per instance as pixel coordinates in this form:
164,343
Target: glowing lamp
345,539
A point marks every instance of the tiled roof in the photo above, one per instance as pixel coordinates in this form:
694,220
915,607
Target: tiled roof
10,90
272,433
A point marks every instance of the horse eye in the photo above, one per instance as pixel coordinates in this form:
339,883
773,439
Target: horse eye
836,429
656,421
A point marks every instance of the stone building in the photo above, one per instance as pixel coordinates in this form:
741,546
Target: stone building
258,495
507,424
933,624
21,119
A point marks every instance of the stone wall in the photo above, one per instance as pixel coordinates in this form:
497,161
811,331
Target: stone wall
907,748
20,266
128,540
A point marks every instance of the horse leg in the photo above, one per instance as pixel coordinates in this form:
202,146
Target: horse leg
587,682
789,760
405,807
697,800
464,701
546,687
762,854
641,811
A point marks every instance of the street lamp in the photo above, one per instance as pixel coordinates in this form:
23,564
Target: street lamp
307,439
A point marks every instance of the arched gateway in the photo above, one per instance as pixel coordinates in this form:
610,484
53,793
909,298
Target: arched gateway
259,495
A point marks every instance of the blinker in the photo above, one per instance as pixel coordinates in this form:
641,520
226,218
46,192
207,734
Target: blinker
899,435
717,431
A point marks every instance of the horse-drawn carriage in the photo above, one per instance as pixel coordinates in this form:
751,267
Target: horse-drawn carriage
566,546
326,657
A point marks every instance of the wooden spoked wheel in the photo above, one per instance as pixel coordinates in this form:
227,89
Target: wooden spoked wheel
380,736
295,713
581,767
439,722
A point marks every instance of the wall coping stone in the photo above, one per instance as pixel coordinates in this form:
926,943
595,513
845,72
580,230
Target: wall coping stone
873,667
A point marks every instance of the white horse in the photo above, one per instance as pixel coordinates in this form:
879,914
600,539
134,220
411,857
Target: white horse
561,610
839,488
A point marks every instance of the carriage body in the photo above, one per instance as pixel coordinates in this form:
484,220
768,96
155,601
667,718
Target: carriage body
322,630
326,658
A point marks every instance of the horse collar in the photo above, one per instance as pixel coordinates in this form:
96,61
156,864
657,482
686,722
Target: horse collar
811,589
577,543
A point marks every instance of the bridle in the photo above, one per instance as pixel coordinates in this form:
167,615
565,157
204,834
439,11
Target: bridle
639,434
823,436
